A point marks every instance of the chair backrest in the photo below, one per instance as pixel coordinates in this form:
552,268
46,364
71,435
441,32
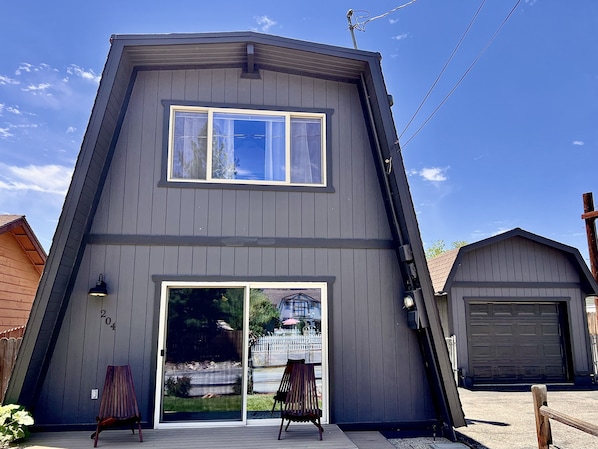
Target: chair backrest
302,398
118,397
285,381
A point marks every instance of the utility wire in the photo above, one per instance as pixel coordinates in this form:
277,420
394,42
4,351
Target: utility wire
444,68
506,19
361,26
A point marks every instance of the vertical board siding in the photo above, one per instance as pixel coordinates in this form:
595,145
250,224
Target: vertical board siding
132,203
374,345
516,260
376,371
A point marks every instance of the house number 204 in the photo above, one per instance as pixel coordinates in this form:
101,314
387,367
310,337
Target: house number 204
108,320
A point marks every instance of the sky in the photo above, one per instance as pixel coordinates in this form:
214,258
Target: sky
507,135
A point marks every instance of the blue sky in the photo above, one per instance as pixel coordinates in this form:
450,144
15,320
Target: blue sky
514,145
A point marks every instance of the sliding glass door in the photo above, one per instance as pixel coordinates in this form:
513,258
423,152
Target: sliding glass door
223,348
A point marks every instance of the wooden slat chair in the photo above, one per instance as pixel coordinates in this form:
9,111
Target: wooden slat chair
285,383
118,406
301,403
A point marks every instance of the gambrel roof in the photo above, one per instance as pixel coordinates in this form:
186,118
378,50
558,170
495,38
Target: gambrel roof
130,54
443,267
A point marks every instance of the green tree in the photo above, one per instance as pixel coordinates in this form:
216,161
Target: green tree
263,315
438,247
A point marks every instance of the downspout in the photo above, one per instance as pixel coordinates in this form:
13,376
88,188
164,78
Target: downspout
409,274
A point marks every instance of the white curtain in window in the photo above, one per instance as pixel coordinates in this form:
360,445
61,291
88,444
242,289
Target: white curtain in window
306,151
189,157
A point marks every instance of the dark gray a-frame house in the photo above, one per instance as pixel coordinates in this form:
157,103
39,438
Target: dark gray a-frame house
218,173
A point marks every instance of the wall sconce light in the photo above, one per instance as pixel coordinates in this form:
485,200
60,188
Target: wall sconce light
413,301
408,302
100,288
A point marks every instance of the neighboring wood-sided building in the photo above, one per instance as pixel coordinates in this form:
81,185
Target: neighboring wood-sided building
22,261
516,304
220,175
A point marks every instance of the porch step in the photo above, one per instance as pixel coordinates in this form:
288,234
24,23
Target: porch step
369,440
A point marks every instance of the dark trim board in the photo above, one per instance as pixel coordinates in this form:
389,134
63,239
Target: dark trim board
158,278
549,285
515,299
255,242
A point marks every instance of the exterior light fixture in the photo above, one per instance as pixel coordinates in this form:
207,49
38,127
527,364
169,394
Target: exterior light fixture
408,302
100,288
413,301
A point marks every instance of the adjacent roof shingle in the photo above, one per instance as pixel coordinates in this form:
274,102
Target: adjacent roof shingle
440,267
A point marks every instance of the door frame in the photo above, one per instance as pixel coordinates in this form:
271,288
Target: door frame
247,285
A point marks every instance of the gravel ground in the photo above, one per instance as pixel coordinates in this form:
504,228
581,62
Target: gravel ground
425,443
505,420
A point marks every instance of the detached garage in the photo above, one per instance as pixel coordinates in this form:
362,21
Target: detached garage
516,305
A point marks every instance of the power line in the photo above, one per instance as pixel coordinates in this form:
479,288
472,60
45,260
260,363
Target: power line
361,25
506,19
445,66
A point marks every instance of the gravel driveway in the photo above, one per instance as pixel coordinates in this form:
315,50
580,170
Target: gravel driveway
505,419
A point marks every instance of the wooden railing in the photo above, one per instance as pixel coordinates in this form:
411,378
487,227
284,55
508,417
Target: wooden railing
544,414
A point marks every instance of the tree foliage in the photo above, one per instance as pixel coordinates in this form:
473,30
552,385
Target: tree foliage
438,247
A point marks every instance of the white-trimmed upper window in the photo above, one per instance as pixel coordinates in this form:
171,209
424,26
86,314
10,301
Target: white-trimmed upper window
246,146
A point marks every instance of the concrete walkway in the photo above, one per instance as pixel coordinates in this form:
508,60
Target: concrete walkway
375,440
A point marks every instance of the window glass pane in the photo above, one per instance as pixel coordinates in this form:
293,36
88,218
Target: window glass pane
306,150
190,145
284,323
203,370
249,147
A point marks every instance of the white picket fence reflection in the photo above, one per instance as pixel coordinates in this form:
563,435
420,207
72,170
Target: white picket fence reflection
275,350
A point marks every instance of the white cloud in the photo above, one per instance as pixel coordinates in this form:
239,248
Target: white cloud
400,37
53,179
265,22
24,67
580,143
531,2
89,74
71,130
6,80
36,88
393,21
434,174
5,133
13,110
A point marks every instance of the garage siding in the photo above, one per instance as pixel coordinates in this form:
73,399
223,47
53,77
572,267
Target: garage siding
516,342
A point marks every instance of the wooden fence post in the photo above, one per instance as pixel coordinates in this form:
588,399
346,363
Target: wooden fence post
543,432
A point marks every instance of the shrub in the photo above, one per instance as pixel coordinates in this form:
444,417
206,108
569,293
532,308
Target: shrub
179,386
14,420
